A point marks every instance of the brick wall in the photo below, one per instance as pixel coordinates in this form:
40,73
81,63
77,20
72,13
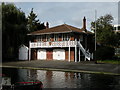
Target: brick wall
49,53
71,54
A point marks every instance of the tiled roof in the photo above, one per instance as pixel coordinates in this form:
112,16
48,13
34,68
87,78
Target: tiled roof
64,28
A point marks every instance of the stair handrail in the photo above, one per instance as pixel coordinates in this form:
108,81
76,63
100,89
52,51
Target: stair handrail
86,53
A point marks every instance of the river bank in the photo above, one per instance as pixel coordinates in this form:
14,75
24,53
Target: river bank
86,67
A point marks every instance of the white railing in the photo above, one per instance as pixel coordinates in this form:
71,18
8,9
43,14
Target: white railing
53,44
86,53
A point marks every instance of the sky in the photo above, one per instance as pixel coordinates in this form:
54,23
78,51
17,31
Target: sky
71,13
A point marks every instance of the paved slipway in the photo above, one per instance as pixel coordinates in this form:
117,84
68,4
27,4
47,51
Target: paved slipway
86,67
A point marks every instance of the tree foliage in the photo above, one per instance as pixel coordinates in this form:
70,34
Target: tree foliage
104,30
14,30
33,23
15,27
118,39
105,53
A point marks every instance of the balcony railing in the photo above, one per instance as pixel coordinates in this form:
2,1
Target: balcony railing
53,44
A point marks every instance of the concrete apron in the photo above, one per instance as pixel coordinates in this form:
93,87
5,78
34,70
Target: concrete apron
52,65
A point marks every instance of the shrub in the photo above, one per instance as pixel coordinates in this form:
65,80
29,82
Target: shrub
104,53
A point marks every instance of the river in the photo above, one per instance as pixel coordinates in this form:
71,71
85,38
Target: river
58,79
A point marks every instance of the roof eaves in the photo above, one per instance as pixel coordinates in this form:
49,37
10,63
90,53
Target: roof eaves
78,32
50,33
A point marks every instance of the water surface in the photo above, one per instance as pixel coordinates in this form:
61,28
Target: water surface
58,79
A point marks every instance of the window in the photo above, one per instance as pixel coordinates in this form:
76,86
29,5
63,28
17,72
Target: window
44,38
55,37
47,37
66,37
40,38
37,38
60,35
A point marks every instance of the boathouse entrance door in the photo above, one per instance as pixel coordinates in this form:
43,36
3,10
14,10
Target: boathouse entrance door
59,54
41,54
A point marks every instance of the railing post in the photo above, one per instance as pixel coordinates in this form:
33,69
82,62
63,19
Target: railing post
75,52
69,50
79,54
79,50
29,50
85,57
69,53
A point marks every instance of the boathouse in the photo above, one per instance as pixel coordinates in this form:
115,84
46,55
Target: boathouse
62,42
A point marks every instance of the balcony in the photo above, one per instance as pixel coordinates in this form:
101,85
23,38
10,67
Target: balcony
53,44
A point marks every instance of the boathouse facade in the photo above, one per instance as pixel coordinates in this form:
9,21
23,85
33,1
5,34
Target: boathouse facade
63,42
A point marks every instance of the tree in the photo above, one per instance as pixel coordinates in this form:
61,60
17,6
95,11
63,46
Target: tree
106,38
14,31
118,38
33,23
104,31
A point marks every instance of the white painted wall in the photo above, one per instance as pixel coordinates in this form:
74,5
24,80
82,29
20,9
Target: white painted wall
23,52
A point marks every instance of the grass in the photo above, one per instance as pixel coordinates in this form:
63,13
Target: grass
109,61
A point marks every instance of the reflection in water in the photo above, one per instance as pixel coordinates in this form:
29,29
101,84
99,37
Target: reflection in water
49,78
56,79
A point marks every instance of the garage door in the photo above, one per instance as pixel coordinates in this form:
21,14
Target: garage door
59,54
41,54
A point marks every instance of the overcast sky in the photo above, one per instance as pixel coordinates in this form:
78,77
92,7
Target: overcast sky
71,13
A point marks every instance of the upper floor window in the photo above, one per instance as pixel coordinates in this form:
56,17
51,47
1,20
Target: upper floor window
56,37
38,38
65,37
48,37
53,37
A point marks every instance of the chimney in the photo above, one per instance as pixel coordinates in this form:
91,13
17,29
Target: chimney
47,25
84,23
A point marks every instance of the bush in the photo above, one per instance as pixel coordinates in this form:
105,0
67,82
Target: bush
104,53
